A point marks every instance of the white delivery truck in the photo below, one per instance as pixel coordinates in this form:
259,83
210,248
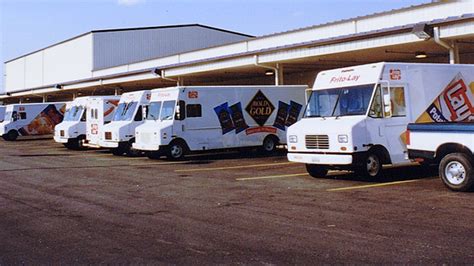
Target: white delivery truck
2,113
184,119
101,110
31,119
120,133
356,117
71,132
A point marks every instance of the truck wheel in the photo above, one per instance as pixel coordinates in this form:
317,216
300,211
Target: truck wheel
372,166
317,171
455,170
269,144
176,150
11,135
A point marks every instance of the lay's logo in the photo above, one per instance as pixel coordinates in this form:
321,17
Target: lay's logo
457,100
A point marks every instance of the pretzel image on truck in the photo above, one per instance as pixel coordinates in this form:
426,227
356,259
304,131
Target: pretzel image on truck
190,119
31,119
356,117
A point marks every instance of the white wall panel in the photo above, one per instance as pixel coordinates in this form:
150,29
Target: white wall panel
68,61
34,70
15,75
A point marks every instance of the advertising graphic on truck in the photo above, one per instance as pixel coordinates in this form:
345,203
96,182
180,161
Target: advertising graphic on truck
31,119
356,117
188,119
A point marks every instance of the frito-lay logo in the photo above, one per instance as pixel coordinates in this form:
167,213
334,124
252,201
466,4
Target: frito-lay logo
260,108
193,94
395,74
458,102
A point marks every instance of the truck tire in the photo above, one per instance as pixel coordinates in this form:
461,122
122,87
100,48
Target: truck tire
317,171
117,151
12,135
371,167
269,144
455,169
176,150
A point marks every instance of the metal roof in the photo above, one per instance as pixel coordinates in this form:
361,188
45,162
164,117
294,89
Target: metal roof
332,40
131,29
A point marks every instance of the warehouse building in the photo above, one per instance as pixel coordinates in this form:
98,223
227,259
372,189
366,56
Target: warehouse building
114,61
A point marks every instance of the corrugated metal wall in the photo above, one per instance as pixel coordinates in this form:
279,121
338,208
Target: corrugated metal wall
124,47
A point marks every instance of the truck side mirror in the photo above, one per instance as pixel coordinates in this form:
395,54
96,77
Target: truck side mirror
180,111
387,105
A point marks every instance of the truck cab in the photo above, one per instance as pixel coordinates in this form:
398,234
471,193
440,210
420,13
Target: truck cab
351,121
120,133
71,131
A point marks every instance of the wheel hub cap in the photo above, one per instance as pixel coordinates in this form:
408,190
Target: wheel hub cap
455,172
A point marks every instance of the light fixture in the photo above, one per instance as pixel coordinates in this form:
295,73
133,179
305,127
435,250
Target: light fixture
423,31
269,73
58,86
156,71
420,55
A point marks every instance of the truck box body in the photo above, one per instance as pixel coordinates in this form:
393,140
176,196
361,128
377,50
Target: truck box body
32,119
73,126
219,117
101,111
356,111
128,115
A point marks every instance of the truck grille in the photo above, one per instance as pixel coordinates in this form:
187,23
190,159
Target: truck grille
317,142
108,135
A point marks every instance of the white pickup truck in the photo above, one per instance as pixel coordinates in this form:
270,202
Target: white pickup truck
449,144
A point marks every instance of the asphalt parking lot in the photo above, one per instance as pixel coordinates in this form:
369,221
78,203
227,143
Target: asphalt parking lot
62,206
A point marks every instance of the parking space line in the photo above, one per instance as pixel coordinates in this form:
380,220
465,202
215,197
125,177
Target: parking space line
231,167
269,177
373,185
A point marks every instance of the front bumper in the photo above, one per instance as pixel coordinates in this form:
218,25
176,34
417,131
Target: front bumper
320,158
109,144
145,146
60,139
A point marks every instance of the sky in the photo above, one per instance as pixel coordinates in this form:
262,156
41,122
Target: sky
29,25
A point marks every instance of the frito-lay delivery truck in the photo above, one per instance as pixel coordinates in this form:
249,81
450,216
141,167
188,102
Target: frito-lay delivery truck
356,117
186,119
31,119
119,134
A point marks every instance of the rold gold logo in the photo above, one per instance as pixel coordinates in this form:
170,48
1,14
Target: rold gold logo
260,108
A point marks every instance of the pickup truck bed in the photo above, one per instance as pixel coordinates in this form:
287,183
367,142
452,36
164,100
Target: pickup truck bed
449,144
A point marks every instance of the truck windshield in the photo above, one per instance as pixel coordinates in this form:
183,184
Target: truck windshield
153,111
7,117
167,111
125,111
74,113
339,101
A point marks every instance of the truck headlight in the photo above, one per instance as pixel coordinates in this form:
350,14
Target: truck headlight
342,138
293,139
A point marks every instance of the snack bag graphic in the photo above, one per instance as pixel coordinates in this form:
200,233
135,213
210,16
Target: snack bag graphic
225,118
454,104
44,123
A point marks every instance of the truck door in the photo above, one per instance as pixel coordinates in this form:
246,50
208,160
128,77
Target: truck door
375,124
396,121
